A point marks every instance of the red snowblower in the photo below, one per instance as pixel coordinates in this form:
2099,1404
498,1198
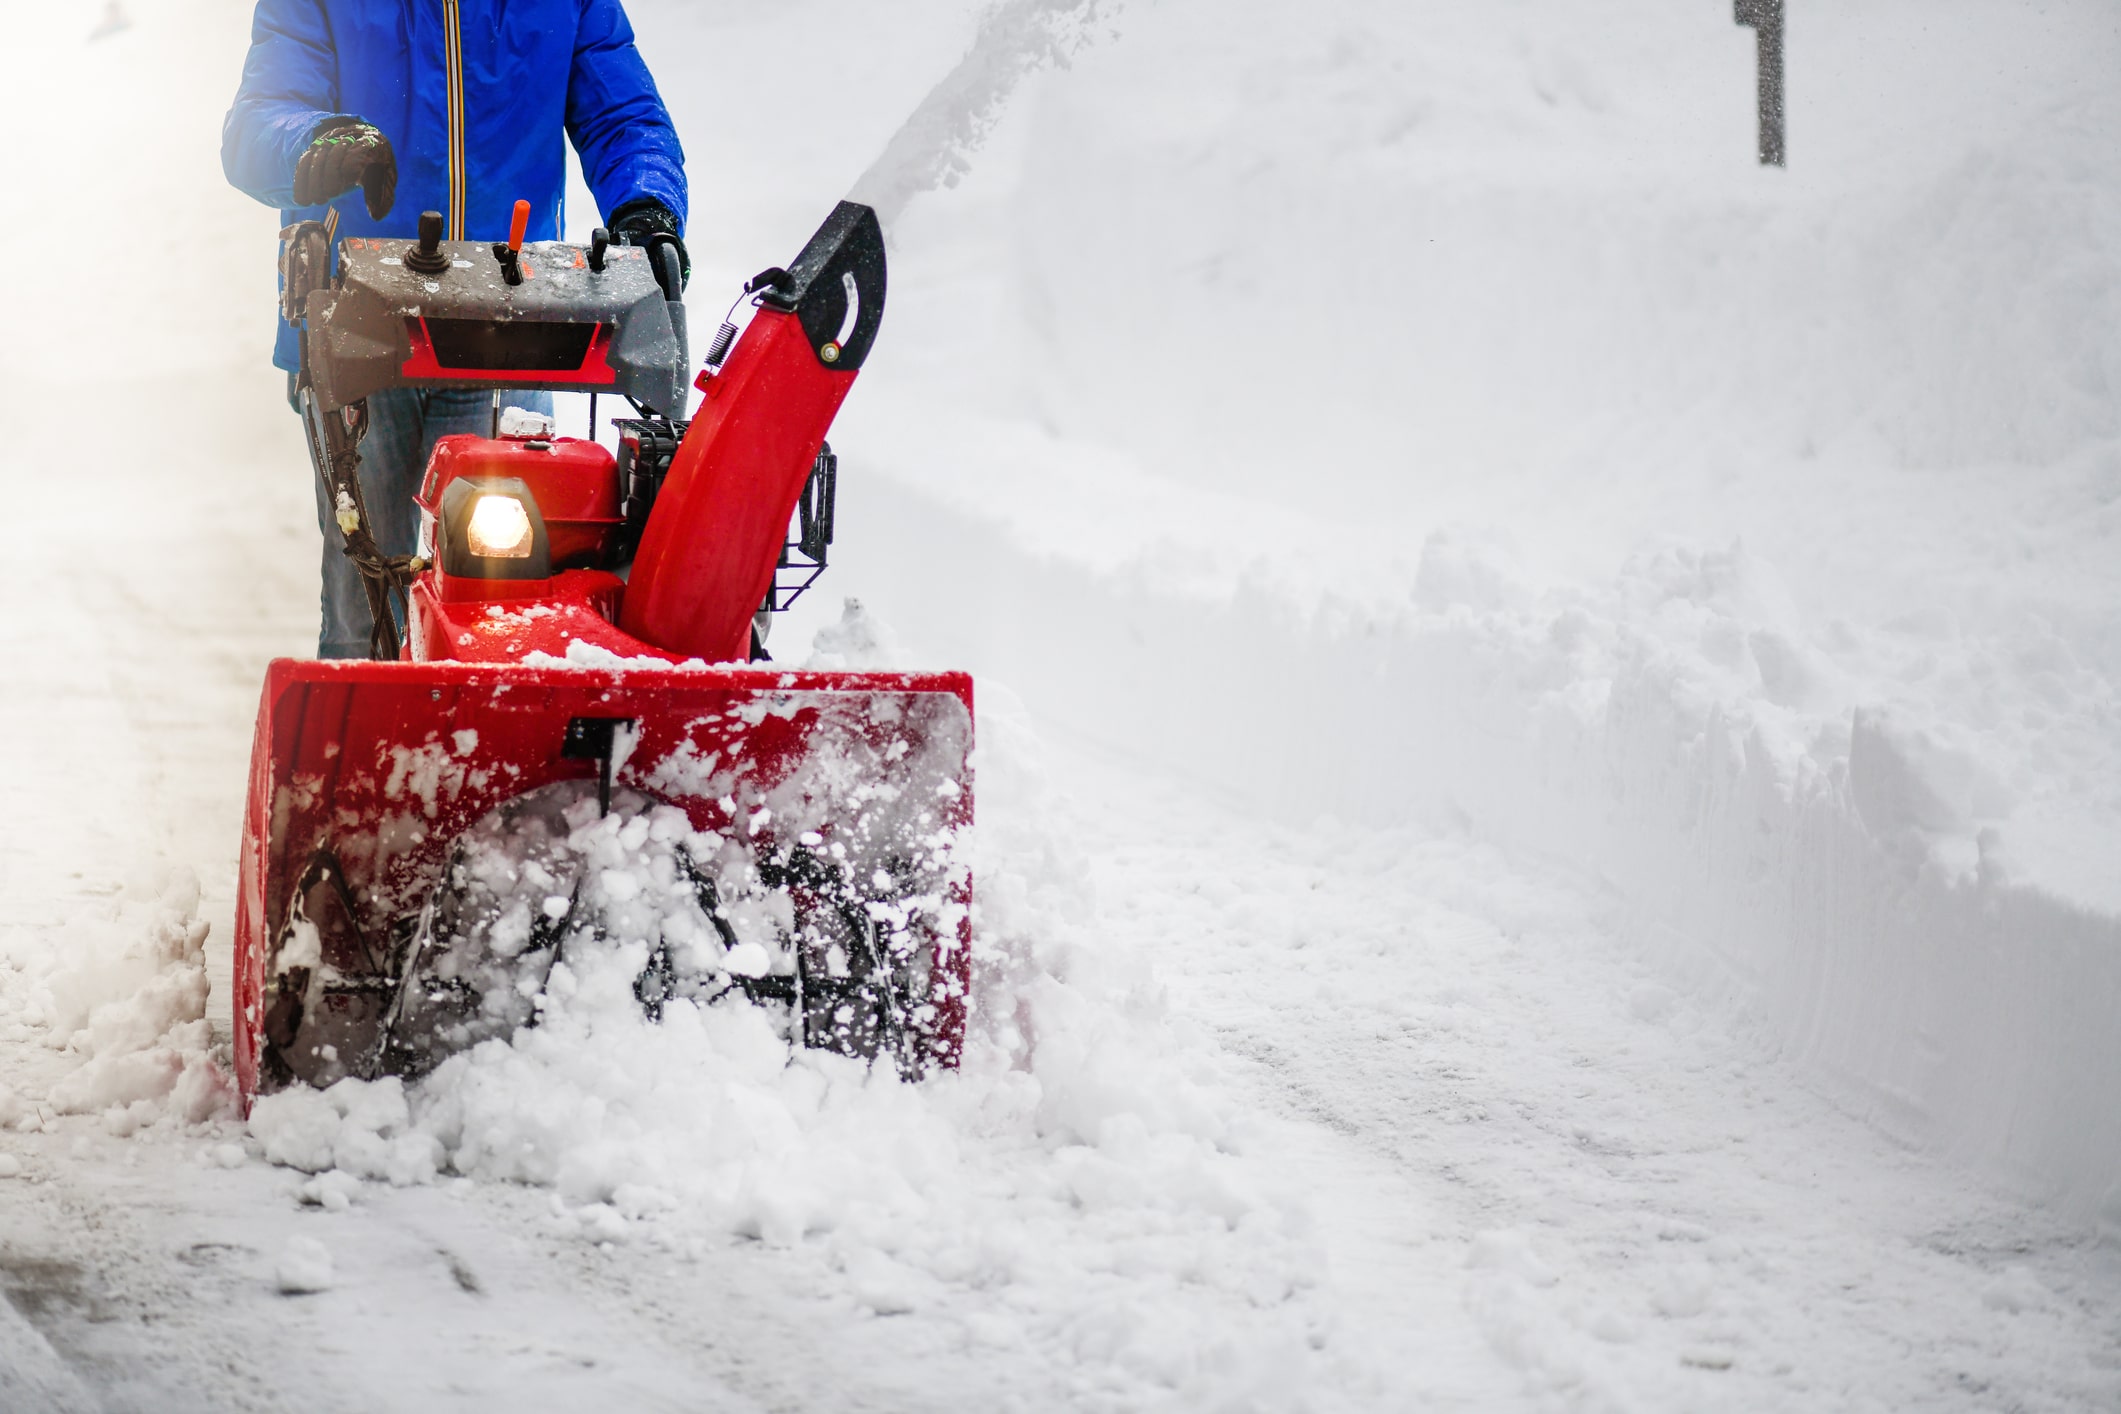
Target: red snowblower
579,661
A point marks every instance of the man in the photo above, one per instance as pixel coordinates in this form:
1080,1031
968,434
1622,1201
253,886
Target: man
363,113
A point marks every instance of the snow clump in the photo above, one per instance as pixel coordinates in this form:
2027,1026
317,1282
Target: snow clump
125,992
304,1268
356,1127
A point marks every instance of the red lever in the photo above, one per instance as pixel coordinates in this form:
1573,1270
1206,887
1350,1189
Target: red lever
517,224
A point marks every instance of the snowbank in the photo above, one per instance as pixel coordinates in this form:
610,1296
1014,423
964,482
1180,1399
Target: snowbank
1422,413
1797,876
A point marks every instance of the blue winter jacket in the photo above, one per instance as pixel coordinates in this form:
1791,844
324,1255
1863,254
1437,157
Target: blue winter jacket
474,96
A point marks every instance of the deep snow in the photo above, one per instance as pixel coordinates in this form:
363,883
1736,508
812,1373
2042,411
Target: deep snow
1742,538
1547,746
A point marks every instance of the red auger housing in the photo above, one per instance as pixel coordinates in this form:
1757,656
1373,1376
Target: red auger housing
579,622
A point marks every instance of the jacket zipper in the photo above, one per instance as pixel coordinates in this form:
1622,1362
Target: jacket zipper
453,66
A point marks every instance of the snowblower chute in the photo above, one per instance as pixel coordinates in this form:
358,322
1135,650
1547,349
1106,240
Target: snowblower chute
427,836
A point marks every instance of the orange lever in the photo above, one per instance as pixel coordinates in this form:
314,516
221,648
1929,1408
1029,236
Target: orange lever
517,224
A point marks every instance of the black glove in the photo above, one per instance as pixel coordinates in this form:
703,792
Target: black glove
341,153
644,221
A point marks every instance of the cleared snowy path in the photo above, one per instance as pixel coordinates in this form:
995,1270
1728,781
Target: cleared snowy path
1491,1100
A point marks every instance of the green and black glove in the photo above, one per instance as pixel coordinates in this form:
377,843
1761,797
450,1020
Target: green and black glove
343,153
646,222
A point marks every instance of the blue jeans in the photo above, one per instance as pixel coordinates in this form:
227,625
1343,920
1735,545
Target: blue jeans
403,424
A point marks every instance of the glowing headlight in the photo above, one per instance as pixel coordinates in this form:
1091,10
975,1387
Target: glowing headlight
489,528
499,529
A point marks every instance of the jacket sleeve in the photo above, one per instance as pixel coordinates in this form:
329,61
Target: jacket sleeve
290,84
628,146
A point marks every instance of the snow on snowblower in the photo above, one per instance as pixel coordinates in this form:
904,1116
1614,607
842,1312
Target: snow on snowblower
573,743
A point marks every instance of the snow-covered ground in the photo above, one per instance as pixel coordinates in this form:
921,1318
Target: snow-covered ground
1549,753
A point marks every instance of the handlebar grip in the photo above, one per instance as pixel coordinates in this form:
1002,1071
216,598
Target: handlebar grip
669,270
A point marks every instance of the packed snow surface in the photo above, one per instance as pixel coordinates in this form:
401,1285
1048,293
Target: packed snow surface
1548,760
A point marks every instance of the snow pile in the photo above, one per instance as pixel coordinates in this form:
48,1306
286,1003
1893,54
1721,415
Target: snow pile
1828,866
126,994
590,655
1742,538
1081,1167
856,640
355,1127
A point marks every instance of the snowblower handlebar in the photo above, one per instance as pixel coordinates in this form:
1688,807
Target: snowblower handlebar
464,314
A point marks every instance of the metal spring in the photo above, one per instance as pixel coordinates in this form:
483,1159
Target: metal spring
719,349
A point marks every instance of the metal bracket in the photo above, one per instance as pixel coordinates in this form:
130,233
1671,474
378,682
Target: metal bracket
590,739
803,558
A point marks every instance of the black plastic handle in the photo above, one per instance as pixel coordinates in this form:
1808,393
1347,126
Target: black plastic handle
669,270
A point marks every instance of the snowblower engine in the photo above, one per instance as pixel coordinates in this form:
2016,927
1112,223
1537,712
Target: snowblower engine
566,754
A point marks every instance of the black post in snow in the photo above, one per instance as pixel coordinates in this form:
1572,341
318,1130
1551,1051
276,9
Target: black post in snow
1765,17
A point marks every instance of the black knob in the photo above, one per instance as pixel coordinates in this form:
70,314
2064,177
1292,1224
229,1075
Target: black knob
427,257
599,242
